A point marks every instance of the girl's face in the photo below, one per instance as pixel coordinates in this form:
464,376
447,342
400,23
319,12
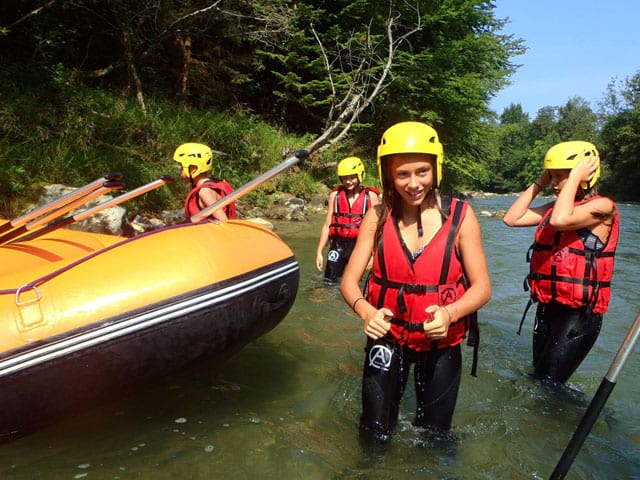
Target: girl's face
186,175
350,182
413,177
558,179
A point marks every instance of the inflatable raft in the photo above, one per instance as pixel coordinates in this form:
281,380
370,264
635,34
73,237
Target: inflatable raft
83,315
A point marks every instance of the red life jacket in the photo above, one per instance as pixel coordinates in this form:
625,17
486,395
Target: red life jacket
436,277
565,270
347,218
223,188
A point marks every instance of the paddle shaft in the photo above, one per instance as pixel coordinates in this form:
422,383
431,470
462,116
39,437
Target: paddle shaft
63,222
598,402
104,189
248,187
65,199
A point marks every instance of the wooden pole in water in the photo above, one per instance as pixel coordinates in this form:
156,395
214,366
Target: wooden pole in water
598,401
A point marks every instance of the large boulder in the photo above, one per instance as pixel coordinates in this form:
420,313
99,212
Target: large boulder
111,220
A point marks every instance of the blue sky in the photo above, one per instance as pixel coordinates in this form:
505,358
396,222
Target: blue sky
574,48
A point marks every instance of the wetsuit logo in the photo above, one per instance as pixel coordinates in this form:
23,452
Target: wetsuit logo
333,255
380,357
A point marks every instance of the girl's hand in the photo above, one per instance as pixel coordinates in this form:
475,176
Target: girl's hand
544,179
319,261
377,325
437,324
586,168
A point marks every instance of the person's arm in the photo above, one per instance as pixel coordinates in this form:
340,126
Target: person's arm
568,216
376,322
209,196
324,232
477,273
520,213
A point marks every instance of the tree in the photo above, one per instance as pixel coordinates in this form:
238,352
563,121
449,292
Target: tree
311,66
576,121
619,140
514,114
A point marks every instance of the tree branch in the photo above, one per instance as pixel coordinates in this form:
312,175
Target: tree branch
360,94
33,12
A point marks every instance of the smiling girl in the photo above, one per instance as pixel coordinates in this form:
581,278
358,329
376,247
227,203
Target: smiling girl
429,277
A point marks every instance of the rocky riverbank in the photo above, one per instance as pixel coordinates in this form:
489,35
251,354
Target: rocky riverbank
119,220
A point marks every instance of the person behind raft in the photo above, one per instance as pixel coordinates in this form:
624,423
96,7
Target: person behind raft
571,258
196,161
347,206
429,277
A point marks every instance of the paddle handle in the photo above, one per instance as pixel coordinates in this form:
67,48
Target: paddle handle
43,220
136,192
59,202
598,402
63,222
250,186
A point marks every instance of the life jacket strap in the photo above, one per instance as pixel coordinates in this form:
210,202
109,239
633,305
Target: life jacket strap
524,315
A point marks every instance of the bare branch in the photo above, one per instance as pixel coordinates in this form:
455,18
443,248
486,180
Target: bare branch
364,88
327,65
33,12
97,73
195,13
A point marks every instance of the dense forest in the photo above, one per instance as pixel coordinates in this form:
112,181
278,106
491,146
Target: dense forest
94,85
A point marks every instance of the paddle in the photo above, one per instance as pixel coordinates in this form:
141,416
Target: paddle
248,187
79,192
67,207
598,401
78,217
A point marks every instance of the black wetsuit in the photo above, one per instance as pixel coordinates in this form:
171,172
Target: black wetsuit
386,371
563,336
339,252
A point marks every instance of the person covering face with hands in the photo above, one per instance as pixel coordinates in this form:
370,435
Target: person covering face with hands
572,258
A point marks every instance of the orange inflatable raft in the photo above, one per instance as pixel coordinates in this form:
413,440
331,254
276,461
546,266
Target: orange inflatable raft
83,315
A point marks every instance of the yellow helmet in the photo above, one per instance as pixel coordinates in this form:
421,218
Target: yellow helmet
196,154
351,166
565,155
411,137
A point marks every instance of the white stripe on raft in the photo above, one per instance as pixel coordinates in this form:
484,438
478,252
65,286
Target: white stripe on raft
106,333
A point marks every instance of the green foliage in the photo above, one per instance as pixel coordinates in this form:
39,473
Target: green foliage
619,141
514,114
576,121
523,144
85,133
89,86
299,184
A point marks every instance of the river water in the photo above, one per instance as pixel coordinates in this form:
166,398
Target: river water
287,405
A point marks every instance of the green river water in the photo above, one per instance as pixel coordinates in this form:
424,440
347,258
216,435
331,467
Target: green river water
287,405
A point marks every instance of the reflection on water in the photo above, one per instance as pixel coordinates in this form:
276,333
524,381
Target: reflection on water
287,406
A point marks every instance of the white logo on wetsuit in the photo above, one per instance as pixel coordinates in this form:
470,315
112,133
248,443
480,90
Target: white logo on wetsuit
333,255
380,357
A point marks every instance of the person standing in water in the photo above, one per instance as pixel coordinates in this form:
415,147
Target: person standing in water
572,258
429,278
347,206
196,162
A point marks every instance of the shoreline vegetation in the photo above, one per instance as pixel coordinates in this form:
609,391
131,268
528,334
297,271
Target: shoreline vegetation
78,134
